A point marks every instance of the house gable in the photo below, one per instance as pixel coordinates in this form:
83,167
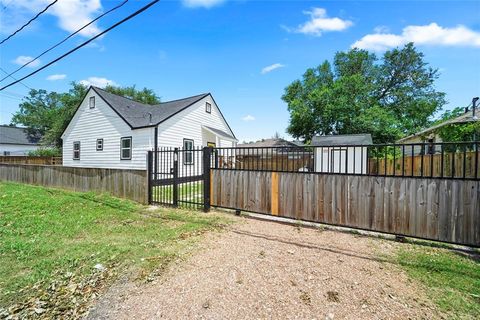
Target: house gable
196,124
101,122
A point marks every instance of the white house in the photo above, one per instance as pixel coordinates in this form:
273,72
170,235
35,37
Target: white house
110,131
346,153
15,141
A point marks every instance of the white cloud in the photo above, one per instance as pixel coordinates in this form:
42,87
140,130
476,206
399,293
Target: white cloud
319,22
201,3
71,14
272,67
98,82
248,117
431,34
21,60
55,77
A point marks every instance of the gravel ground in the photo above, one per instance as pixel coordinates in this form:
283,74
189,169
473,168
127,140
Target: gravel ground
267,270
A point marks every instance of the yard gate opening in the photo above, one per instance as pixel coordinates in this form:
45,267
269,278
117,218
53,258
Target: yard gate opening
178,177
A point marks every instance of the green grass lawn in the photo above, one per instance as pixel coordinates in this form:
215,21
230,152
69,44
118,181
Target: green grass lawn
191,191
51,240
452,279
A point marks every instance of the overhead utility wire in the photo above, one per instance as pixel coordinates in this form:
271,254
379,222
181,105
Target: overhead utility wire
83,44
59,43
23,84
29,21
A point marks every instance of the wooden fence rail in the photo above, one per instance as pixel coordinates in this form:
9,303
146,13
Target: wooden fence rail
450,164
54,161
129,184
437,209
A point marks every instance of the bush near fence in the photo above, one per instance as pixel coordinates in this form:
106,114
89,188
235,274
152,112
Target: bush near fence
123,183
53,161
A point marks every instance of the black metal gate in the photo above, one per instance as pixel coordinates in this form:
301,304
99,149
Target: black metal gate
180,177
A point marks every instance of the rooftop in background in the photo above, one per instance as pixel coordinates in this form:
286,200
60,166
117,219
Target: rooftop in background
266,143
17,135
464,118
342,140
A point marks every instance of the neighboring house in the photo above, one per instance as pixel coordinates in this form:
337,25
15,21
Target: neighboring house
273,154
110,131
15,141
346,153
430,135
268,146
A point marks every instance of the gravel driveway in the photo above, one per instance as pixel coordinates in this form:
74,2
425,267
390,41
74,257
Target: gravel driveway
266,270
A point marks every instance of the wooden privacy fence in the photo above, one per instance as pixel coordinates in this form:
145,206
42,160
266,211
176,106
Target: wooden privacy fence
436,165
54,161
276,162
129,184
438,209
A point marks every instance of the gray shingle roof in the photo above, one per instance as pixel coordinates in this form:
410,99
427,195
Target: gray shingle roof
265,143
16,135
342,140
139,115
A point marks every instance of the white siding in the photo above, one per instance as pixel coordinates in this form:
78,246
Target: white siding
341,160
17,149
102,122
188,124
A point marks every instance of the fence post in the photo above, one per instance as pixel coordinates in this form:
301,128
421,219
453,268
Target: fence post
149,176
175,177
207,153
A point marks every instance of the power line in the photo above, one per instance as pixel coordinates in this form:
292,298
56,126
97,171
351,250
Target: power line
29,21
6,5
83,44
65,39
23,84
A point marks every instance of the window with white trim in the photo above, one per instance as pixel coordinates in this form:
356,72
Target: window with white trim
188,155
91,102
126,148
99,144
76,150
208,107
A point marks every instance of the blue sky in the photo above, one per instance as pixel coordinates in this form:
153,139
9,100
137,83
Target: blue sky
244,52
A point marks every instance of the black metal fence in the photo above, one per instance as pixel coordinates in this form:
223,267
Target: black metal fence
454,160
178,177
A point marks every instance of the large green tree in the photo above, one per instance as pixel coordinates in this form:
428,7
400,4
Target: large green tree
48,113
360,93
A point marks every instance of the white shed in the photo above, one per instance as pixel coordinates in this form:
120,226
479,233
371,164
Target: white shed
342,153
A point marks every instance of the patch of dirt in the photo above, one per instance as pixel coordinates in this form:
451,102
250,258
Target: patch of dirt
259,269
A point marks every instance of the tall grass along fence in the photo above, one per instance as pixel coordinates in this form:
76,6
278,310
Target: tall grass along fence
128,184
53,161
429,191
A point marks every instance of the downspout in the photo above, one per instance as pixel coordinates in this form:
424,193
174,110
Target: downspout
155,148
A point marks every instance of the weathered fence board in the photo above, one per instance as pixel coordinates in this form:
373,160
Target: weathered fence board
428,165
437,209
54,161
129,184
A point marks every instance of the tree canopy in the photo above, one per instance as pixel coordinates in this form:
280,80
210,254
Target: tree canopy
360,93
48,113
